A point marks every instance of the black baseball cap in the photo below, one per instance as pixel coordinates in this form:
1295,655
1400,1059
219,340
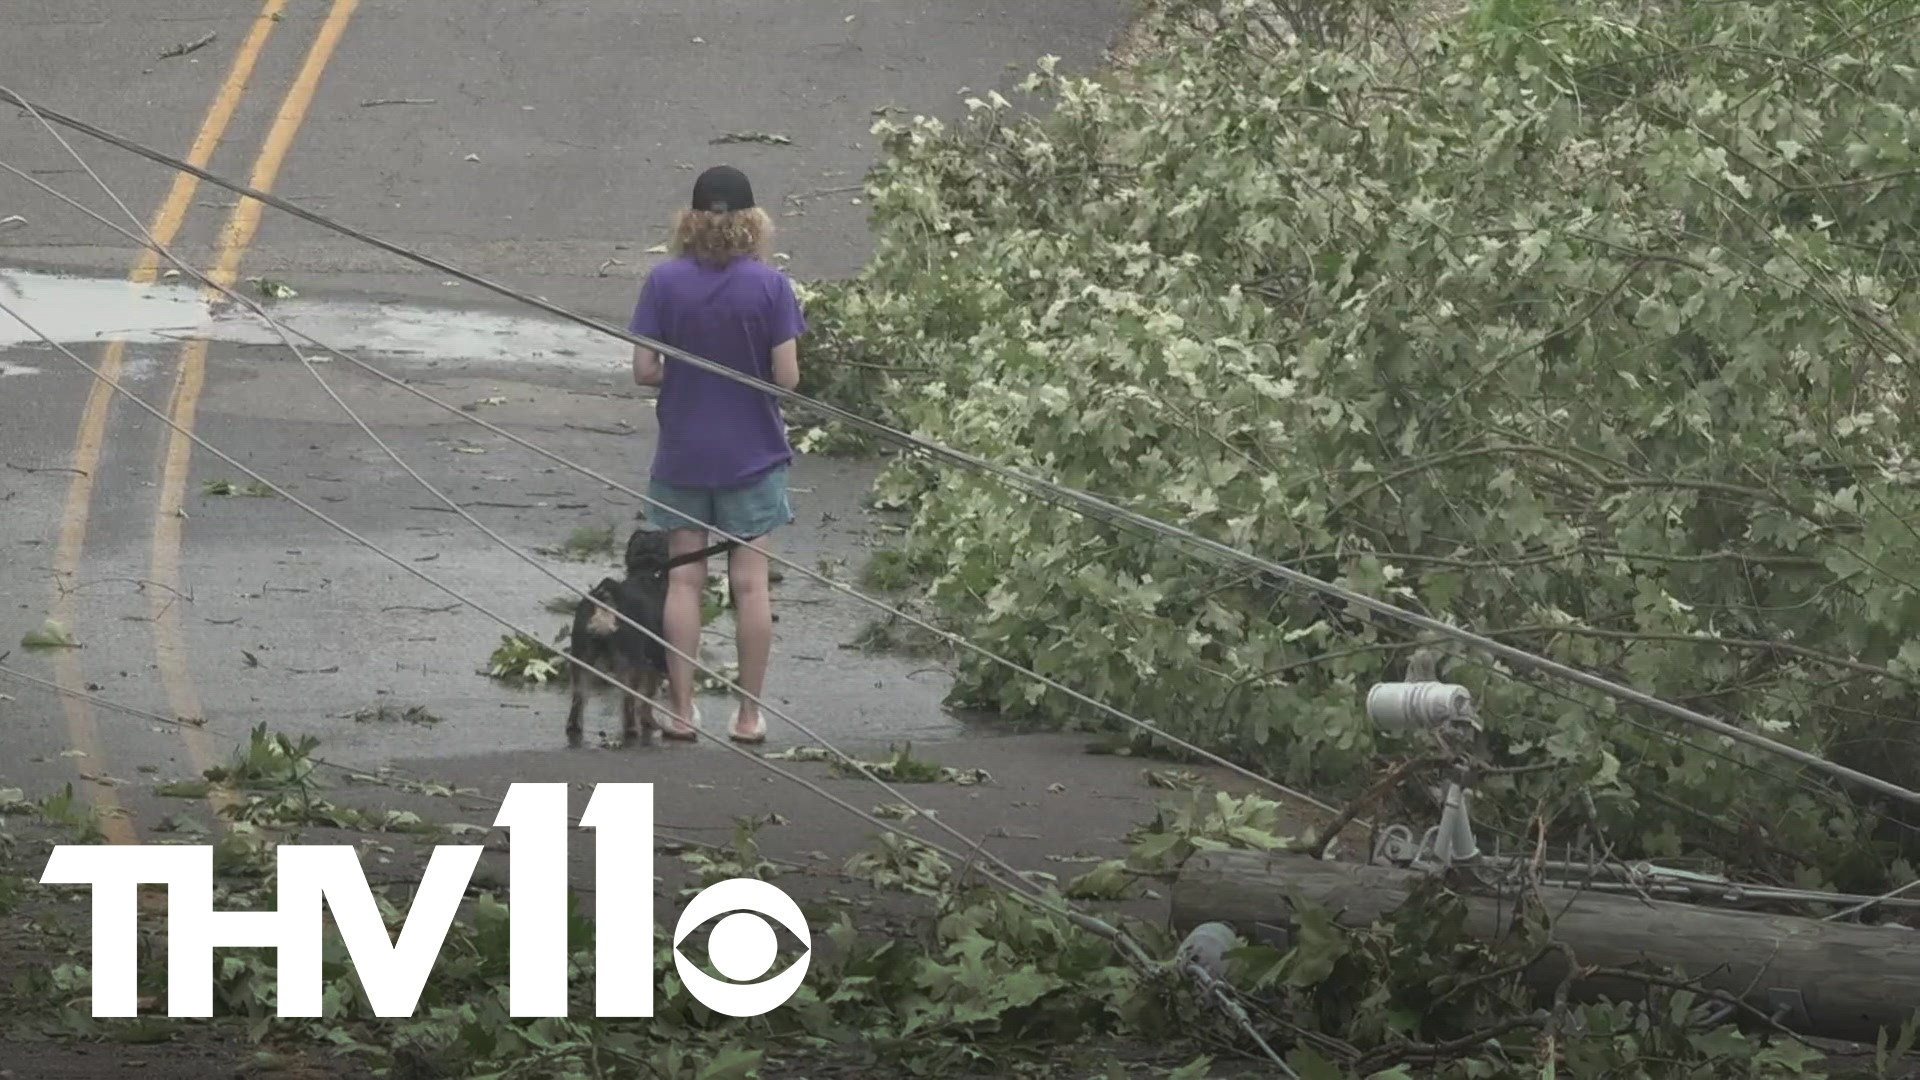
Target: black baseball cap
721,190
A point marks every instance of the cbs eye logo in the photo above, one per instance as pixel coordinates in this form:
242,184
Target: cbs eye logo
742,947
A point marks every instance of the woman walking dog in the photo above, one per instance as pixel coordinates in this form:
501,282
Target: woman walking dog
722,458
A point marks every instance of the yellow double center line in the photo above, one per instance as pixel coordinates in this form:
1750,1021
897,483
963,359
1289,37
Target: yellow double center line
81,732
235,237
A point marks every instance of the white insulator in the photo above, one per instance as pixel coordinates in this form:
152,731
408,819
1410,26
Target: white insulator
1207,946
1415,705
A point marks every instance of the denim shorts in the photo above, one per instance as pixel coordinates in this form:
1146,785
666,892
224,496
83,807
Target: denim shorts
748,512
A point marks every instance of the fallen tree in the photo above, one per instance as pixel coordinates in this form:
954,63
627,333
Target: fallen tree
1834,980
1590,328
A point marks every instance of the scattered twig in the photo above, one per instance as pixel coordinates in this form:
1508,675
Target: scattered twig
1394,1053
966,868
803,195
1550,1038
139,584
192,46
765,137
424,610
1489,977
1694,987
398,101
999,832
45,468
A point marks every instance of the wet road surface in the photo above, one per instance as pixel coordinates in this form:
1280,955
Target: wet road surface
279,619
538,143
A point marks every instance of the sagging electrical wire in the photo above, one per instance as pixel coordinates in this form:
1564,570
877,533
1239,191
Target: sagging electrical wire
1218,993
890,610
1129,949
774,710
1078,918
1088,505
530,560
455,594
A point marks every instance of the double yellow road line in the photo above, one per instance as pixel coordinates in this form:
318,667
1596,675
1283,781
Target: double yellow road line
235,237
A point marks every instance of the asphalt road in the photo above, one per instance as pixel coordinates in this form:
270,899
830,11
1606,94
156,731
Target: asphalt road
542,143
553,135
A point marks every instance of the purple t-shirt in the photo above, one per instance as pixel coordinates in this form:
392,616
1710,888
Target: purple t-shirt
714,432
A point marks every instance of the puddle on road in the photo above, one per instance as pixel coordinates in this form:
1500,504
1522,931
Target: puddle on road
75,311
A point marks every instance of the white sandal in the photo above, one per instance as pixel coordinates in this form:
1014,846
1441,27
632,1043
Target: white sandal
690,733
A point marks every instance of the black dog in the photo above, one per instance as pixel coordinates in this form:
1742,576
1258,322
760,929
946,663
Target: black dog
609,644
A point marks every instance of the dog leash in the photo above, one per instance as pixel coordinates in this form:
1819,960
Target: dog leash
703,554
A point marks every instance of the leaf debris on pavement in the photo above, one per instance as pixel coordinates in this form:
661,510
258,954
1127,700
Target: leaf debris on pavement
1171,779
51,635
182,824
901,864
902,767
588,543
520,659
227,488
385,713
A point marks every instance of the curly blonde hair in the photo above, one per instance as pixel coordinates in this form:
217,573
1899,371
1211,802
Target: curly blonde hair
718,239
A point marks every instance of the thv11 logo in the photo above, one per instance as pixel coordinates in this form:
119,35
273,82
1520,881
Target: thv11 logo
742,946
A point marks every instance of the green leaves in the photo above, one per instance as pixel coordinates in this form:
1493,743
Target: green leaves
51,635
1108,881
520,659
1212,820
1319,945
1557,338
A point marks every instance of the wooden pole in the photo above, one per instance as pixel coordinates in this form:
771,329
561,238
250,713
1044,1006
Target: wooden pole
1833,980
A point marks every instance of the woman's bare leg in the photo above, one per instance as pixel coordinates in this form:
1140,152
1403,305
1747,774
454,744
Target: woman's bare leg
685,583
753,631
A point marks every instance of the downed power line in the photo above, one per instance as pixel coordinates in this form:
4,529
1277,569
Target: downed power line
1087,504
